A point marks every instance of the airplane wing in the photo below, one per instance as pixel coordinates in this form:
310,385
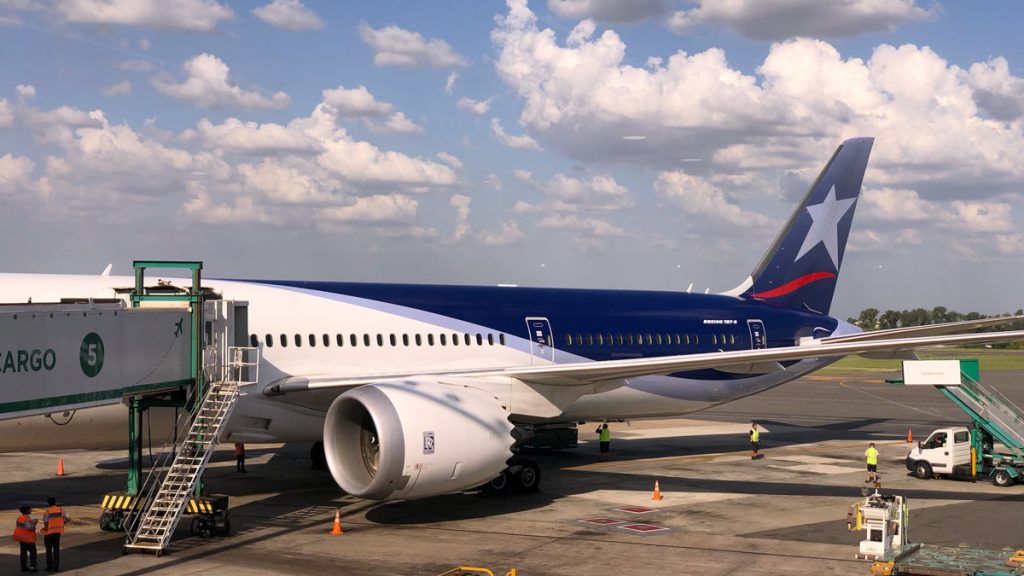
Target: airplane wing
585,373
927,330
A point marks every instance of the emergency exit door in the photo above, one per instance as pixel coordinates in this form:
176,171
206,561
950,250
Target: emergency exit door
542,348
758,339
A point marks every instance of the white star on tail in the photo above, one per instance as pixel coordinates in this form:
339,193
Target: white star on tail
825,219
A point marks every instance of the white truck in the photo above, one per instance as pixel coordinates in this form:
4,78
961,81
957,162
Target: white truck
947,453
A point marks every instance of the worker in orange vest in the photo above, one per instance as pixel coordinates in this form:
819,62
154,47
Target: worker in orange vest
25,535
54,520
240,457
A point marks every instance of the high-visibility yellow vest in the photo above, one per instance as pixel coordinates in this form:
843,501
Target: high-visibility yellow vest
53,520
606,435
755,436
25,530
872,455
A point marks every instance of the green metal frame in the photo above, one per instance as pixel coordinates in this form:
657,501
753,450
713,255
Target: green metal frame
137,404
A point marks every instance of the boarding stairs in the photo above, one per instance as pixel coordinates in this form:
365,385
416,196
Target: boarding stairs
991,411
168,489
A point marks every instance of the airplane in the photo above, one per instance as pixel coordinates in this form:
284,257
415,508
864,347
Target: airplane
422,390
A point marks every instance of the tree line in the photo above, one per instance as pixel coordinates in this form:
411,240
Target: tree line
874,319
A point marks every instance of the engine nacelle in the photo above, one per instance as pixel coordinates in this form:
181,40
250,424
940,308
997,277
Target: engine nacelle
415,438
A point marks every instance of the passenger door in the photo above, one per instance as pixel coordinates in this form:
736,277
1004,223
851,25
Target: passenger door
542,348
758,339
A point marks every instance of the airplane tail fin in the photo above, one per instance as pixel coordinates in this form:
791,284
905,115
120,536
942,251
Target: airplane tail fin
801,268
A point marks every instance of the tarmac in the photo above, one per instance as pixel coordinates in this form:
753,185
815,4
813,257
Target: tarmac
721,512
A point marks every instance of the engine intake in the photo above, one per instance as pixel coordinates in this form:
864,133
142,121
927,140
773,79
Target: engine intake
415,438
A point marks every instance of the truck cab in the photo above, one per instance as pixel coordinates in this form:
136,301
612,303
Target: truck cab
946,452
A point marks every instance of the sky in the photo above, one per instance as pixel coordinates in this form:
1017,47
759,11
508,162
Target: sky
651,144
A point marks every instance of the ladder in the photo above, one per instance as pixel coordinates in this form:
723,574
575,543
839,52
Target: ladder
164,497
991,411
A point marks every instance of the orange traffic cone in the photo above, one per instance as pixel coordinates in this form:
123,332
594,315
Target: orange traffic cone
60,467
657,492
336,530
910,436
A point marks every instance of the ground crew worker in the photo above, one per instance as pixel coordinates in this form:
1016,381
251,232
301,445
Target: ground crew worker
755,442
54,520
25,535
605,436
871,455
239,457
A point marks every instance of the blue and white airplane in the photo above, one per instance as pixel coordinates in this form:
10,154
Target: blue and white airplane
419,390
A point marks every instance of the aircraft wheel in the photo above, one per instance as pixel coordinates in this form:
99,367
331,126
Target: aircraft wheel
499,485
527,477
923,470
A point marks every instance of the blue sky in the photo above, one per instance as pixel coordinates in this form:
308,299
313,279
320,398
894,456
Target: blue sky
583,143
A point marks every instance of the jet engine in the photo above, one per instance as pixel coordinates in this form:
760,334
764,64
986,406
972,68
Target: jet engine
415,438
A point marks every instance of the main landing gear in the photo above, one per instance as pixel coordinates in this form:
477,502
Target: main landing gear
522,475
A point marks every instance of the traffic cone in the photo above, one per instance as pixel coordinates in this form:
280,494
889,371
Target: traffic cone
657,491
60,467
910,436
336,530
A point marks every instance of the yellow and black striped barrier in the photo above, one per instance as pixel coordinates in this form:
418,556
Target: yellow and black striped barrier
194,506
118,502
199,506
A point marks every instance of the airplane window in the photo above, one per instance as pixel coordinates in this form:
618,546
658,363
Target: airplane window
312,341
479,340
714,338
649,340
298,340
366,339
668,338
501,339
380,339
568,339
284,341
579,339
657,339
430,339
254,340
629,339
620,338
270,340
490,339
393,340
600,339
419,340
696,338
339,340
405,339
608,338
353,340
455,339
443,340
732,338
327,340
468,338
590,339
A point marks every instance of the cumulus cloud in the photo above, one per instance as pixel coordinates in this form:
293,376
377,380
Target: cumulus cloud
15,174
6,115
508,234
996,90
601,193
287,181
520,142
776,20
449,83
608,10
396,46
493,182
255,138
208,85
193,15
355,102
703,201
118,89
461,204
26,91
378,209
398,123
202,208
450,160
474,107
290,15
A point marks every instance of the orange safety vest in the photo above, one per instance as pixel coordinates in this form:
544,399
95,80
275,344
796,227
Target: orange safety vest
53,520
239,450
25,530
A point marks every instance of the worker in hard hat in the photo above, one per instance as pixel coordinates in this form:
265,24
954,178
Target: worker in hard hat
871,455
